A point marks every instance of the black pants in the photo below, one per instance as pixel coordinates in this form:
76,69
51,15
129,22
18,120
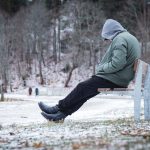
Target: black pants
82,92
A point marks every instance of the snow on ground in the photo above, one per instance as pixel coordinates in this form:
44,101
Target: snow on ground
25,110
104,122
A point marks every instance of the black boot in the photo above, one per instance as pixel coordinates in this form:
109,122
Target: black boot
54,117
48,109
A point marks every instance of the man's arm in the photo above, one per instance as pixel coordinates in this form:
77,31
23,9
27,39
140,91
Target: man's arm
117,62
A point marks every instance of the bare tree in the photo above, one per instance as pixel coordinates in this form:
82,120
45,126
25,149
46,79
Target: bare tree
140,11
3,57
87,24
36,24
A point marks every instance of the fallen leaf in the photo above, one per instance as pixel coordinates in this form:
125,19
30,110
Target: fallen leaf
37,145
75,146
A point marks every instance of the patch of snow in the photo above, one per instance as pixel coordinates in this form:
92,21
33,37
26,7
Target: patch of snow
27,111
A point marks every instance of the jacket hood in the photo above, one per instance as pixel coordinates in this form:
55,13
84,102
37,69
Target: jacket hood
111,28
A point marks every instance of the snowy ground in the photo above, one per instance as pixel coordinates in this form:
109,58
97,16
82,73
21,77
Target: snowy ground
24,110
102,123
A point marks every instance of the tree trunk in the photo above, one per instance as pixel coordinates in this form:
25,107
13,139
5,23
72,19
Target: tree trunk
42,57
41,75
11,89
2,93
94,62
70,75
40,72
54,46
90,56
5,82
59,42
19,70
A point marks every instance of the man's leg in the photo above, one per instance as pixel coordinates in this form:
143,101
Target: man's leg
83,91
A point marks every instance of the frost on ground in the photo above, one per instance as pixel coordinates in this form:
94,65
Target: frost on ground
99,124
119,134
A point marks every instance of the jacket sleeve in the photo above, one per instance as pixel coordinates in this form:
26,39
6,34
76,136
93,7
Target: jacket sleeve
118,60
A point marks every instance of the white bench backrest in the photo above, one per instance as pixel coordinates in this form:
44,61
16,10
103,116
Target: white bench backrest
144,70
140,67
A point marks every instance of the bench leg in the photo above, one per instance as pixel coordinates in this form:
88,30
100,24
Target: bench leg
138,94
147,96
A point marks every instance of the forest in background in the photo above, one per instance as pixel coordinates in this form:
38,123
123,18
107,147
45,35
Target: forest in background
43,38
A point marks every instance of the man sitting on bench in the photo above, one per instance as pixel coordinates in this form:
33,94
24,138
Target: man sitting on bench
114,71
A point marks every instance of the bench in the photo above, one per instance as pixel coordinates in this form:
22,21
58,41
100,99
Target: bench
138,88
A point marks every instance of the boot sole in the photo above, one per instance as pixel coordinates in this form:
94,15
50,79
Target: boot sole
51,120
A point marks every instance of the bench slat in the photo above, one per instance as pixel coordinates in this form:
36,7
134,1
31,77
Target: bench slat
115,89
